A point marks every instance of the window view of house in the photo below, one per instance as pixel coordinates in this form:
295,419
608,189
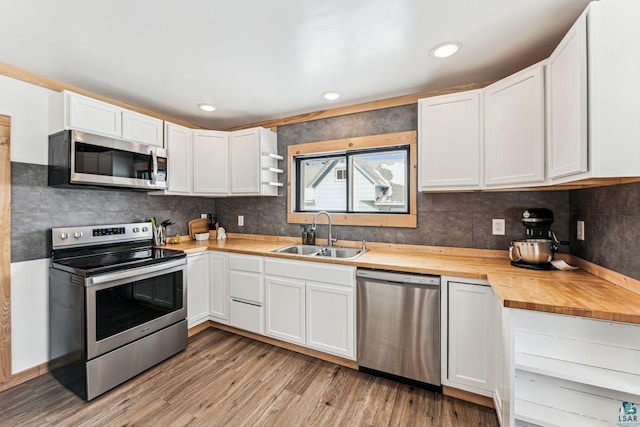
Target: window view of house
354,182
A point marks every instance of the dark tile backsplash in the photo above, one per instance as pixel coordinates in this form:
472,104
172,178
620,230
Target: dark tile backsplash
611,215
453,219
36,208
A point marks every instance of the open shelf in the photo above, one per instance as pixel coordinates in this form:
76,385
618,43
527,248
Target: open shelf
585,374
545,416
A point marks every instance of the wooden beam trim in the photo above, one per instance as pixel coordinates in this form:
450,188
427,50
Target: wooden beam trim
5,247
363,107
57,86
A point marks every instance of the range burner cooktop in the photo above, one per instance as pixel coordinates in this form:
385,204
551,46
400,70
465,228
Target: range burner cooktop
92,250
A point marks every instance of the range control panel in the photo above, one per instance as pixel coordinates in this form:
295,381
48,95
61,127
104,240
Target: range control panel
65,237
109,231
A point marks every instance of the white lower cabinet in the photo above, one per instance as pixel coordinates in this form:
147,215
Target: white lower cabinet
246,293
312,304
197,288
285,313
468,315
219,288
246,316
330,319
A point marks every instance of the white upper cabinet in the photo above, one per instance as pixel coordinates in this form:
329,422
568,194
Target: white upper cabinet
254,162
179,163
210,162
450,144
142,129
68,110
566,86
514,130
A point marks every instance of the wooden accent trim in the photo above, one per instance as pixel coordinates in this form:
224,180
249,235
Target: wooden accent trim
409,220
198,328
618,279
23,376
362,107
468,396
293,347
5,247
57,86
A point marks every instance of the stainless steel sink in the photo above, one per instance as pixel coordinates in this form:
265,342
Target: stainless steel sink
299,250
323,251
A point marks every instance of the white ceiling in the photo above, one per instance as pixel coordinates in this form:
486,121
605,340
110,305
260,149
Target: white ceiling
258,60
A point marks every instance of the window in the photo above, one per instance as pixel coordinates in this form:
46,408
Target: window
368,181
371,181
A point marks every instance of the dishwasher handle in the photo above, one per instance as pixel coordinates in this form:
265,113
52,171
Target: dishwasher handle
398,277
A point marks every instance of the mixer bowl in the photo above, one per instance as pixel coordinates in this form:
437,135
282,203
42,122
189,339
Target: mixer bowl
532,251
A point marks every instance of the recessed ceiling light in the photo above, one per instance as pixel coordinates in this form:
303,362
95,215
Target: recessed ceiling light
331,96
206,107
445,50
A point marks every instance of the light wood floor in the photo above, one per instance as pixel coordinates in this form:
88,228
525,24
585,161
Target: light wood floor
225,379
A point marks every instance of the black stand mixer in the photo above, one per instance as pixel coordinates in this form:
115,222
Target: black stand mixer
537,250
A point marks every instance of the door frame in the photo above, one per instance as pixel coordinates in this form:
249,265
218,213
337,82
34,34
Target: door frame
5,247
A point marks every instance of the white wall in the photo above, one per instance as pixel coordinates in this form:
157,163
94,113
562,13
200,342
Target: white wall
29,314
28,107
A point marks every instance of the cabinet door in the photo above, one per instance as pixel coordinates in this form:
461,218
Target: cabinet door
450,131
245,162
211,162
514,129
285,309
471,335
179,160
93,116
143,129
197,289
566,85
219,291
330,319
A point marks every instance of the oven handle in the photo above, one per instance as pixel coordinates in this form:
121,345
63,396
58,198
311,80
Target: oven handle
112,277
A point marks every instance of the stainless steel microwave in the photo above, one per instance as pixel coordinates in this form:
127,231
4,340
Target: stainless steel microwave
80,158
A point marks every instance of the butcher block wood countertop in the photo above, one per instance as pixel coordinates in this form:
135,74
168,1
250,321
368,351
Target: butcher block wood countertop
574,293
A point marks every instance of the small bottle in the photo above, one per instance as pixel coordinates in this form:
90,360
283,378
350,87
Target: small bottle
311,237
304,234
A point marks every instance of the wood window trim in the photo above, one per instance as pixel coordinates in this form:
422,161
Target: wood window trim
5,247
409,220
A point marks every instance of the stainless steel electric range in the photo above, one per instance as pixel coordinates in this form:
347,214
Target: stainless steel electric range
117,305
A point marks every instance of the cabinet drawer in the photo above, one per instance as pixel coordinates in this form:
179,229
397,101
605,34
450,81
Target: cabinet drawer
246,316
245,263
246,286
311,271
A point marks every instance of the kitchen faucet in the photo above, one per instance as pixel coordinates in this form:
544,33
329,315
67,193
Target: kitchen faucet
331,239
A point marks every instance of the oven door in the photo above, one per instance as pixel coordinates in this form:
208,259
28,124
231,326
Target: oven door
127,305
98,160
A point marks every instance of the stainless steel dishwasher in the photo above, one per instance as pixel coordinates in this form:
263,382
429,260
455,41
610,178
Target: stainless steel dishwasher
399,326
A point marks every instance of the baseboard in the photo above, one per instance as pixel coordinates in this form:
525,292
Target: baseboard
468,396
24,376
289,346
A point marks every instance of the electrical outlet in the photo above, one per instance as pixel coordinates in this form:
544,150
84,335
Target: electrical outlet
203,216
580,230
497,227
240,220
